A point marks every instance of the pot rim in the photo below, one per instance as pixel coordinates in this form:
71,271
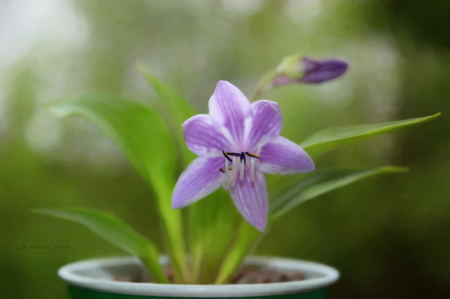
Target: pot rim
325,276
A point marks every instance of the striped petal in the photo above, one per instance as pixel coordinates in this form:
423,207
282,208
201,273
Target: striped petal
266,123
251,200
198,180
282,156
202,136
228,106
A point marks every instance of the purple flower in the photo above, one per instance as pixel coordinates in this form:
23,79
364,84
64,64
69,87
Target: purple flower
237,143
314,71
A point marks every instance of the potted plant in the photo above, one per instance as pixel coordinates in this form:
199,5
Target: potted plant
225,153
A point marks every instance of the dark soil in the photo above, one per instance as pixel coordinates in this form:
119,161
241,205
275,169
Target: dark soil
254,275
248,275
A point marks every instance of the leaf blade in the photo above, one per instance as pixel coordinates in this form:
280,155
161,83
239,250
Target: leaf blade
213,224
134,128
327,184
176,107
247,237
245,240
116,232
329,139
211,220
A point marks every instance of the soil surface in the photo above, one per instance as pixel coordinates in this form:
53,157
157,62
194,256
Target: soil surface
254,275
249,275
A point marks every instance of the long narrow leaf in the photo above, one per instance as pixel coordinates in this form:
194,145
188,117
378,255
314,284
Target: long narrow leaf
142,136
212,220
334,137
116,232
213,223
177,109
310,187
324,183
245,240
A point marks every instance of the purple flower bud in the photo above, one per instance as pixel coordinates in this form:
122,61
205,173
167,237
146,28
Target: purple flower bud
313,71
321,71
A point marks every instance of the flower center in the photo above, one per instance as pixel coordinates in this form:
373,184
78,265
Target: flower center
238,161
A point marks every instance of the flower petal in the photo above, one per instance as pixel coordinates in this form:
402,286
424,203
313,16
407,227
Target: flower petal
199,179
266,123
202,136
321,71
251,200
228,106
282,156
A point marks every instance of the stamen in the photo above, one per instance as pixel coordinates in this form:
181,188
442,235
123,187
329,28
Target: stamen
235,172
252,155
252,170
226,156
258,151
241,170
224,180
231,174
233,154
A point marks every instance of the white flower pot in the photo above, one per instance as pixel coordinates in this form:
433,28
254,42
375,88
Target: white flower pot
97,279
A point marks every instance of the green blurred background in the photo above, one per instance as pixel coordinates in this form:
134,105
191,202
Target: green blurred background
389,236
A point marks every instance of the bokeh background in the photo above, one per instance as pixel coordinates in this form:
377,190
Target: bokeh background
389,236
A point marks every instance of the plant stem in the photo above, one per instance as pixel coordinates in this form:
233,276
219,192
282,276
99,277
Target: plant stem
264,82
245,239
158,273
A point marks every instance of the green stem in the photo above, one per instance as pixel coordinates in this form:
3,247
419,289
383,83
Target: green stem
173,234
246,238
264,82
156,271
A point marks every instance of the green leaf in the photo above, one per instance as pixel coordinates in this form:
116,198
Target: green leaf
331,138
309,187
321,183
213,224
213,220
117,232
144,139
245,240
175,107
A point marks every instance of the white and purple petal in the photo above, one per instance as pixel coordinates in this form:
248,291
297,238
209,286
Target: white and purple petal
282,156
236,126
228,106
265,125
198,180
202,136
251,200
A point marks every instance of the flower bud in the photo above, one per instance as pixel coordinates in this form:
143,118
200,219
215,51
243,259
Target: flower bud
305,70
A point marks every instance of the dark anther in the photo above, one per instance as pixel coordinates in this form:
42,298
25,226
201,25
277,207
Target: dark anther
222,170
251,155
243,157
234,154
226,156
